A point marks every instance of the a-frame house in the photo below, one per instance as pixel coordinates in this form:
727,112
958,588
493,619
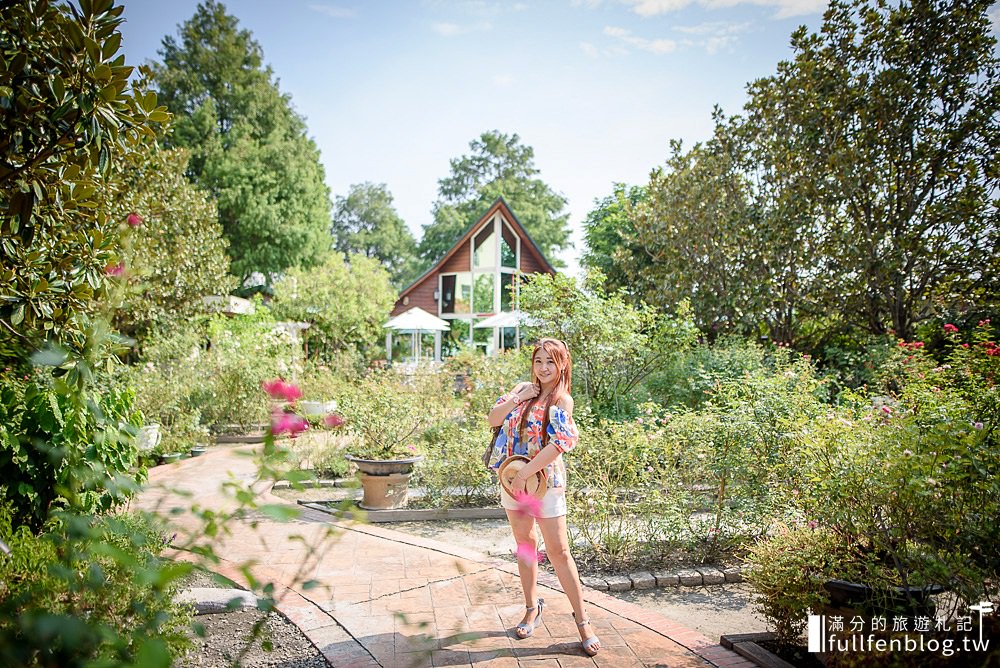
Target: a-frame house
474,289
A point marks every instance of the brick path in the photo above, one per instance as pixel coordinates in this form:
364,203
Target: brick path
393,600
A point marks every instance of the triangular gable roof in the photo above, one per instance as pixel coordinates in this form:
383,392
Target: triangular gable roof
501,206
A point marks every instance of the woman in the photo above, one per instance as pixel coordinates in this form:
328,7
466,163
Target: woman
537,421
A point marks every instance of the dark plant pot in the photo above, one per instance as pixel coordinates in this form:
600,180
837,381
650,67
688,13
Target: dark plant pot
384,466
170,457
199,450
853,595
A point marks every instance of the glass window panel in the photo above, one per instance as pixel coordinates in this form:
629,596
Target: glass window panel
426,346
509,336
508,258
506,298
483,299
448,294
482,338
455,339
463,293
485,248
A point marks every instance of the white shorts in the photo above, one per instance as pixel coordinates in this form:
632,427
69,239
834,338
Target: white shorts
553,503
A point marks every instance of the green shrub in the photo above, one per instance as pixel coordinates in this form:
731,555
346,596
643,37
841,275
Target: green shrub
452,473
62,449
787,571
691,374
86,591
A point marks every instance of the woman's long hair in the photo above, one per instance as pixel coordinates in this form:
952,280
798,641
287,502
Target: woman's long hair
559,352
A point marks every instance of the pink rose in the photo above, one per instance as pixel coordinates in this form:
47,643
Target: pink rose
333,420
115,270
950,328
290,422
280,390
134,219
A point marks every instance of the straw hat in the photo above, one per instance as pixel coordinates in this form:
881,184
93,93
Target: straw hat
535,485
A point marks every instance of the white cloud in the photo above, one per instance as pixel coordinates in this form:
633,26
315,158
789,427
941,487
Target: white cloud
657,46
715,28
589,49
503,80
785,8
446,29
994,16
334,11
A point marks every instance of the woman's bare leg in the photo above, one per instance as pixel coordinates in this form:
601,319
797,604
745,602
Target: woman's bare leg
523,527
557,549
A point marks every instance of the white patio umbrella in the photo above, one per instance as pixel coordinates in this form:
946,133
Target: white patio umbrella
506,319
414,322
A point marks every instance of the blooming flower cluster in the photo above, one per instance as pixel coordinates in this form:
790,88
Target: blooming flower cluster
283,421
279,390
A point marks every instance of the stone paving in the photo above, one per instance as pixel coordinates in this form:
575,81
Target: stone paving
391,600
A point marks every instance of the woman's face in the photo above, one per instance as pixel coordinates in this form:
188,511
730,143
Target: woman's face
544,367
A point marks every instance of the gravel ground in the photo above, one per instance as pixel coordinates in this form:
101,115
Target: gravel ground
225,643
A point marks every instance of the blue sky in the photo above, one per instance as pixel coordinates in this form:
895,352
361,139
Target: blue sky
392,91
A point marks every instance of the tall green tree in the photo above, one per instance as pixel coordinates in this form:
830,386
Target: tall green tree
345,301
366,223
68,119
178,255
249,147
609,235
694,229
890,114
498,166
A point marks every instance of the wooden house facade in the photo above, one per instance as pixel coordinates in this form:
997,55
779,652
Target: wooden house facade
475,286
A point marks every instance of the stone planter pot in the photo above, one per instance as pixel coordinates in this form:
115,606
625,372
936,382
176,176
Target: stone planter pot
170,457
198,450
148,438
385,483
316,408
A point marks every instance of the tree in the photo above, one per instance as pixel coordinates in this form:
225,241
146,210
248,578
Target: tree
249,147
344,302
178,255
694,229
607,231
498,166
365,223
890,114
68,119
614,345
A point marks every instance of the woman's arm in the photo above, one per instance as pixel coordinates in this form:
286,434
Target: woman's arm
521,392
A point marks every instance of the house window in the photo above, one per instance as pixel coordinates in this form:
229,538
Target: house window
482,338
453,341
508,242
456,293
508,338
507,301
485,248
482,300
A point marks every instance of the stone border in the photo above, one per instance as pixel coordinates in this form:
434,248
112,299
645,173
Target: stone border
686,577
407,514
317,484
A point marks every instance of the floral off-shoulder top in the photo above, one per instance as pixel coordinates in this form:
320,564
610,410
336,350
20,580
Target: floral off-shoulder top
563,436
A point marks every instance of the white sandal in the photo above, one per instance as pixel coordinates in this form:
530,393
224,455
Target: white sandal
588,644
526,629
